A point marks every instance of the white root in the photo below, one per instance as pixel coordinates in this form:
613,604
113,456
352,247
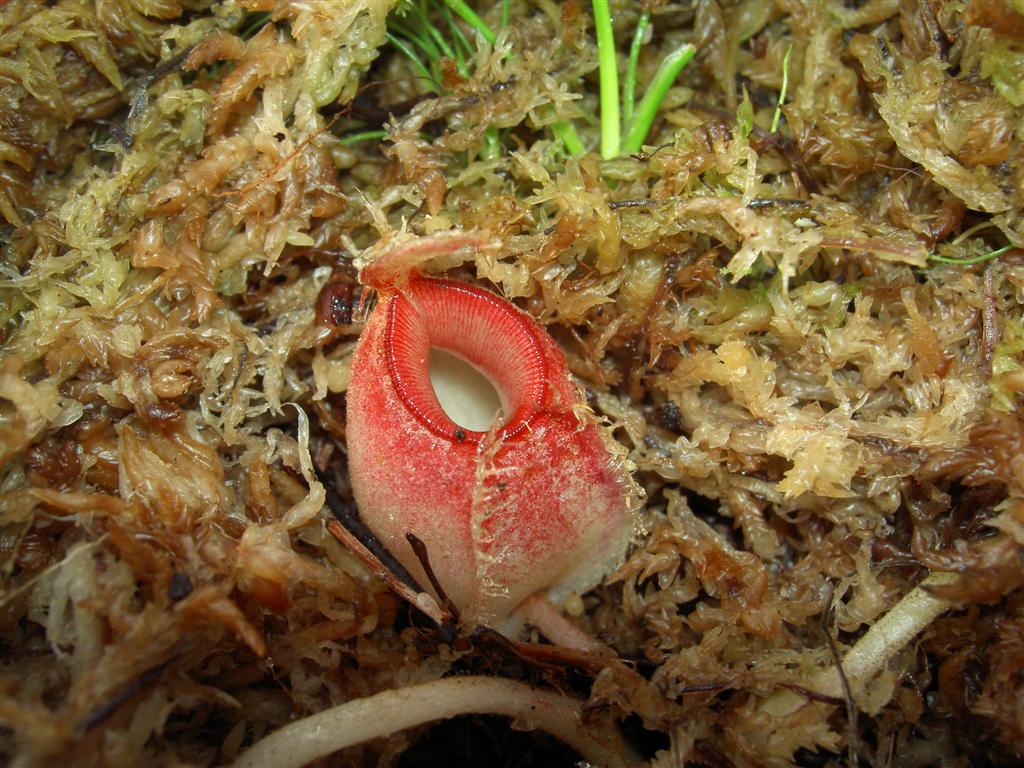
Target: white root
386,713
890,634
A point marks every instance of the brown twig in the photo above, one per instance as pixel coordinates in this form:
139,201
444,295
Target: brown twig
778,202
354,535
617,204
541,655
704,688
420,550
127,691
853,745
418,600
372,114
814,695
347,515
124,132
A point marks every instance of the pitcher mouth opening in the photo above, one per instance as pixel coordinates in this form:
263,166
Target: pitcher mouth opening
477,328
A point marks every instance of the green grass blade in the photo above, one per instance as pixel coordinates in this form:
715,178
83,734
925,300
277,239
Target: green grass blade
667,73
469,16
785,87
973,260
252,24
629,87
651,102
504,13
413,38
438,38
355,138
418,65
609,75
491,149
565,133
463,50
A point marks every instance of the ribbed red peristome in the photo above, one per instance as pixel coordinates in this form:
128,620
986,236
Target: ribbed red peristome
476,326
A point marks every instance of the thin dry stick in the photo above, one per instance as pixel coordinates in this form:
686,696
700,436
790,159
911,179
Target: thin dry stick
853,743
420,550
420,600
386,713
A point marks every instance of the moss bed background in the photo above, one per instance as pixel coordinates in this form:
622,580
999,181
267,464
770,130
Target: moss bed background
798,303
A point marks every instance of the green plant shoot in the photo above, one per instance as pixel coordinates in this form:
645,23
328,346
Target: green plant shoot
629,87
782,92
609,75
469,16
973,259
648,108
